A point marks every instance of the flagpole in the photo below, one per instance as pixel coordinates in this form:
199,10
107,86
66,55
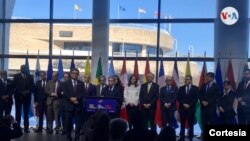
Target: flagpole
138,17
118,11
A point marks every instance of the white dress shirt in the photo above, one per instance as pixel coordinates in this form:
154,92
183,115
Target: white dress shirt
131,94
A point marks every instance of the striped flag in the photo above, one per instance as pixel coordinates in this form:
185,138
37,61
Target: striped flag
98,70
37,70
87,67
161,82
136,70
124,80
111,70
147,70
140,10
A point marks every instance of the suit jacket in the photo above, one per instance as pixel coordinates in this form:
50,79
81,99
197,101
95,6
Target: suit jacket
49,89
69,92
168,96
91,90
150,97
40,94
210,95
244,93
191,98
98,91
226,102
115,93
6,89
23,86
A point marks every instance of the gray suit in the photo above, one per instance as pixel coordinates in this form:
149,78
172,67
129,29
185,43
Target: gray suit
52,104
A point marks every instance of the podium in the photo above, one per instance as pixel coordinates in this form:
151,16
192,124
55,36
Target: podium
93,104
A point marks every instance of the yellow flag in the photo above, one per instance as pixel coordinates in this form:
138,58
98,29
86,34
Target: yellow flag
188,70
87,67
77,7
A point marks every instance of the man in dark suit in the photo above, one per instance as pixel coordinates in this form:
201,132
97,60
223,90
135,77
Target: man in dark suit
23,84
6,91
148,95
187,97
40,99
225,105
243,95
209,94
89,88
74,91
112,91
60,91
168,96
102,84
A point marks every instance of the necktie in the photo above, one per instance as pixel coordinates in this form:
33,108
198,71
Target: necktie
74,85
43,84
167,89
245,85
86,87
5,83
208,86
149,85
187,89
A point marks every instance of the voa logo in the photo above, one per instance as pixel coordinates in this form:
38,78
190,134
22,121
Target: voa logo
229,15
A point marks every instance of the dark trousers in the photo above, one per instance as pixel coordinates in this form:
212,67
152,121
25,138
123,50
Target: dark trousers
62,115
243,117
5,108
69,124
208,116
130,110
187,115
42,111
167,117
150,117
25,103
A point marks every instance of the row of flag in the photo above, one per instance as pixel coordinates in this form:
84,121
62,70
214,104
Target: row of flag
161,78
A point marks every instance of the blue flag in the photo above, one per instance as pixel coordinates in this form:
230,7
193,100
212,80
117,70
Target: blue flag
50,69
218,77
27,67
111,71
72,64
60,69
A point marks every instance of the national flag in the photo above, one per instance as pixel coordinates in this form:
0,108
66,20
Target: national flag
27,71
230,77
77,7
72,64
124,77
136,70
37,70
121,8
124,80
201,82
230,74
50,69
161,83
218,77
140,10
60,69
147,70
176,82
87,67
111,70
98,70
188,69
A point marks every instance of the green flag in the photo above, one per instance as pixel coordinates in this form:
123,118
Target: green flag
98,70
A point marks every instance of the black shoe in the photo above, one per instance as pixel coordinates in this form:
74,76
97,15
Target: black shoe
63,133
26,131
181,139
38,130
49,131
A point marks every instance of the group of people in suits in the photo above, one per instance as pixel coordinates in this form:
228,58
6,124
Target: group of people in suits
63,101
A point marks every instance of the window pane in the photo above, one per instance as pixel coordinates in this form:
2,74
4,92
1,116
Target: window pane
29,9
32,37
189,9
131,9
134,37
71,38
196,38
72,9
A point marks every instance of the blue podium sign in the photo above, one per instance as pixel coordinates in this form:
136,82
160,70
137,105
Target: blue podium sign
92,104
